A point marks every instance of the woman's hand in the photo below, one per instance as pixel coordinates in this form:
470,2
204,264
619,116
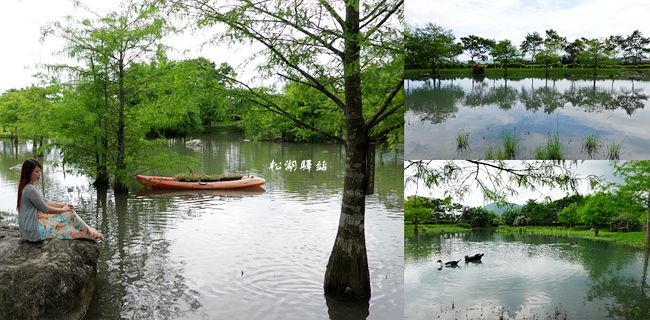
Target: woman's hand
71,206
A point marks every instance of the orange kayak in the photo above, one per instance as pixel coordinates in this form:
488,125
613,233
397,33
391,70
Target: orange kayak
173,183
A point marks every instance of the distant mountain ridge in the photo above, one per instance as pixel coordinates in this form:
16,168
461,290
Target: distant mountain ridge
499,210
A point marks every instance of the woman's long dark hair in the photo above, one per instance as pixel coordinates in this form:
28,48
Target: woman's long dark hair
25,174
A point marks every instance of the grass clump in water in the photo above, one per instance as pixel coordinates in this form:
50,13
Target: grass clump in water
614,151
553,150
462,141
507,151
510,145
590,145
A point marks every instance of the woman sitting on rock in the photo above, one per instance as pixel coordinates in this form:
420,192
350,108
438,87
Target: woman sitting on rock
40,219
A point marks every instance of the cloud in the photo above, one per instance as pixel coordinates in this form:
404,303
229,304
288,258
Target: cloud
512,19
23,52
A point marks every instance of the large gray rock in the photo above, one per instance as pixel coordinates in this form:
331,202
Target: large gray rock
54,279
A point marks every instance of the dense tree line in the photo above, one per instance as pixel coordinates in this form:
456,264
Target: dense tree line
431,46
603,209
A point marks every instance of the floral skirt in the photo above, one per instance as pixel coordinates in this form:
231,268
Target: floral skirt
67,225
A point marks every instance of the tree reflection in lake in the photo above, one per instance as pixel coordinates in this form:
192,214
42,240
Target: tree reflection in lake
615,110
421,99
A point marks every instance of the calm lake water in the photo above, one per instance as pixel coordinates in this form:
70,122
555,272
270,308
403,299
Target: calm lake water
231,255
533,111
523,277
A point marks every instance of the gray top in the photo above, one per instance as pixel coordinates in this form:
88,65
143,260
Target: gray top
31,203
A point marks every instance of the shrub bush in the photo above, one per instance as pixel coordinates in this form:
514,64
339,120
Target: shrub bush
478,70
463,225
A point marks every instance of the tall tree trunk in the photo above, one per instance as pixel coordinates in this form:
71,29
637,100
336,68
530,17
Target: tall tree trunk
101,169
347,269
647,228
120,166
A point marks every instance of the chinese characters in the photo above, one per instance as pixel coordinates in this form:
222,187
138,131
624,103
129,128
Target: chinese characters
292,165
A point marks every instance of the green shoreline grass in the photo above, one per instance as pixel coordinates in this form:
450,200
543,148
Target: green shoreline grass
631,239
556,73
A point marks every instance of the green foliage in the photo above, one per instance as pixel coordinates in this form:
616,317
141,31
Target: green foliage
510,215
102,121
477,217
197,85
547,57
476,46
505,52
425,210
569,215
595,54
637,186
598,210
532,44
430,46
637,180
463,225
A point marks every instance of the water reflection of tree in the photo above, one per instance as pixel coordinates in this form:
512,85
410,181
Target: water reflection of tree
630,100
138,278
626,290
346,310
440,102
420,246
503,96
435,104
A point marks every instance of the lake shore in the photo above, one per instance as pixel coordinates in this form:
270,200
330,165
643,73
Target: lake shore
519,73
631,239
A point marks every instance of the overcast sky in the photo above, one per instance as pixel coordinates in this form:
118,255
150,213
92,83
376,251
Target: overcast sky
601,168
512,19
22,51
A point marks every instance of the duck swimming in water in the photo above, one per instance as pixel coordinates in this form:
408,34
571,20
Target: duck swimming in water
475,258
449,263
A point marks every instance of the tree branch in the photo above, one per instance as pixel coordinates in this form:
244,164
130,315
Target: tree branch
381,23
273,107
377,118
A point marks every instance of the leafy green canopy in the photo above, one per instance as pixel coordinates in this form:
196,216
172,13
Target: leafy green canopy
304,44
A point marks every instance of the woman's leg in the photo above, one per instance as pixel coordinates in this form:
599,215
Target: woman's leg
67,225
84,231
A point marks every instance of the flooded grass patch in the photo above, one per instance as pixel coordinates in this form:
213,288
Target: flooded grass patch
552,151
614,151
590,144
462,141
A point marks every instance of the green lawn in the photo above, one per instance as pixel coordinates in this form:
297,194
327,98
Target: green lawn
519,73
633,239
434,229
